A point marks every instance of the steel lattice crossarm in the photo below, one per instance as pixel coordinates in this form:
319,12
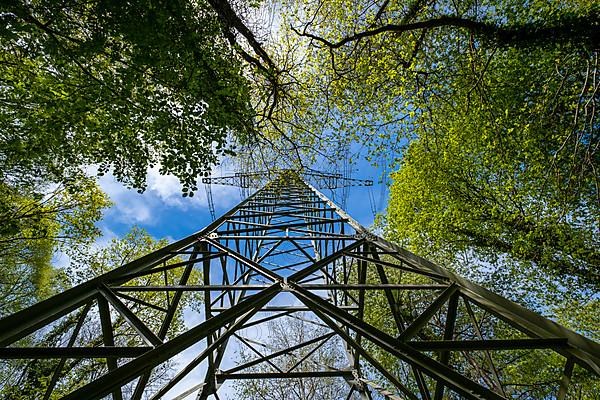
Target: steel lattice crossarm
257,179
405,328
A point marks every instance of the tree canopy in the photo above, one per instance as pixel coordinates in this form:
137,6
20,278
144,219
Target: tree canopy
506,172
38,221
27,379
122,85
360,71
488,108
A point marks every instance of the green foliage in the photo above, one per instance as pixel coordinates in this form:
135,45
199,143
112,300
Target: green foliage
344,87
500,184
497,174
34,226
124,85
531,374
29,379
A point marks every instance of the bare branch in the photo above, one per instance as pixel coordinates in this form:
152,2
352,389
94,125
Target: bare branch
232,20
580,29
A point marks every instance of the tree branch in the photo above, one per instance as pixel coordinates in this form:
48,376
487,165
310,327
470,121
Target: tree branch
582,29
232,20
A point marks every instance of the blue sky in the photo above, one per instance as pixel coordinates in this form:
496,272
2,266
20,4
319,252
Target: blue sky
164,213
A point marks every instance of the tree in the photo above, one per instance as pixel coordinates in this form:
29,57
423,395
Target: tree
284,333
499,100
500,184
37,221
517,373
123,85
501,176
363,72
29,379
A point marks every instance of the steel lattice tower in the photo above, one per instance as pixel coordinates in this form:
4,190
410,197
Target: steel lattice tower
285,250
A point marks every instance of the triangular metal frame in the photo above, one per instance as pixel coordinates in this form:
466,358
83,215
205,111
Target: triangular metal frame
244,257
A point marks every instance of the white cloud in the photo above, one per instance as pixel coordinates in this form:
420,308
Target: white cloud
162,191
166,187
128,206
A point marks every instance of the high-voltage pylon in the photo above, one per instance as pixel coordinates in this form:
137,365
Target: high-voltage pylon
409,329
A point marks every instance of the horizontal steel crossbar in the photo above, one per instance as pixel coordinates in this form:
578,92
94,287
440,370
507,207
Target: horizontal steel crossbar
284,375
